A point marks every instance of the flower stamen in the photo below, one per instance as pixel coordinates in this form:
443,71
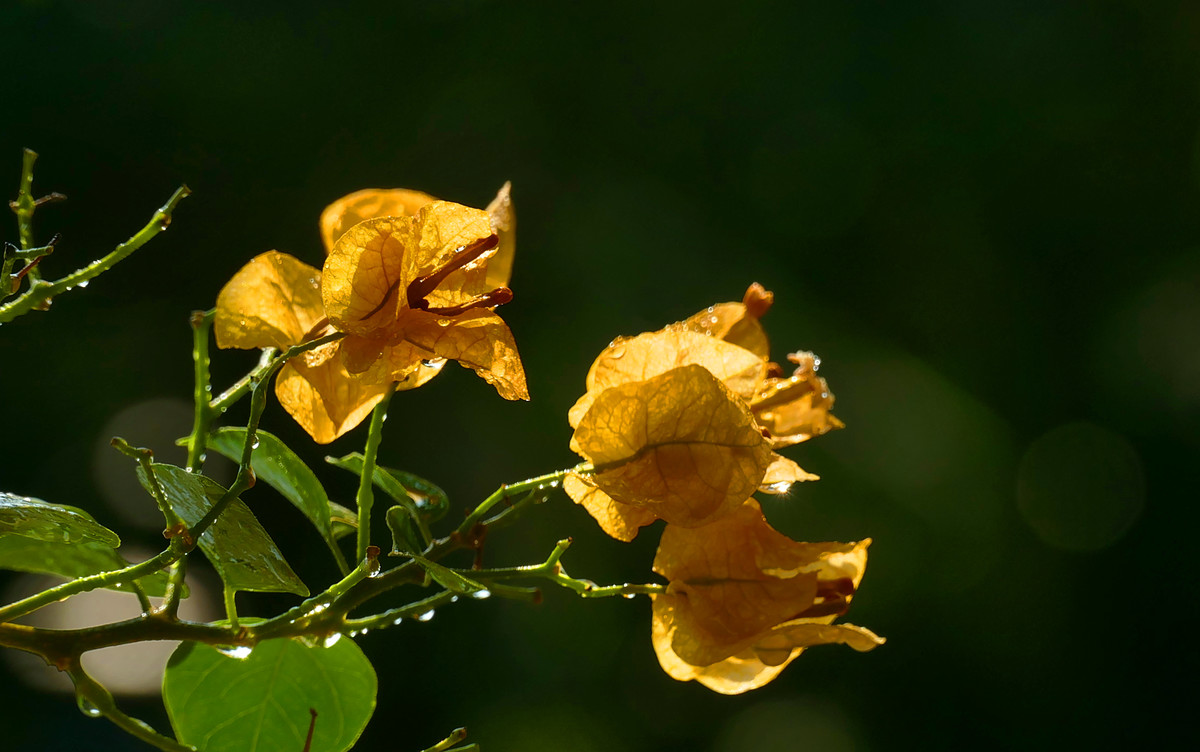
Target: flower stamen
499,296
422,286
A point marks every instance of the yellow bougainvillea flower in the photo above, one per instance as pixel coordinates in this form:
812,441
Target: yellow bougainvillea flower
371,203
679,446
738,323
727,341
743,600
275,301
417,289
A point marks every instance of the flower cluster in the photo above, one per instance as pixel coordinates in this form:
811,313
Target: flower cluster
682,425
410,281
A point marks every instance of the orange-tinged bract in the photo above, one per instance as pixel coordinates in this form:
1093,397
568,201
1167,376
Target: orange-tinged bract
727,342
371,203
409,290
275,301
744,600
678,445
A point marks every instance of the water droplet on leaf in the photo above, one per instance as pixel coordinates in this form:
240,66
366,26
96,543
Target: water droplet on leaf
240,652
425,616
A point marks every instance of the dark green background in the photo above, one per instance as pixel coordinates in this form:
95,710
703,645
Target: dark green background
982,216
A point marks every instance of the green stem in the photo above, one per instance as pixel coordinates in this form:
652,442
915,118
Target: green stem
25,205
91,692
174,550
394,616
178,546
455,737
551,569
366,492
231,606
509,490
145,458
174,591
319,607
242,387
201,322
41,292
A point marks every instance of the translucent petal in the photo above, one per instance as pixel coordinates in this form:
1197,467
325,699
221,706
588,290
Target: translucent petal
621,521
679,444
273,301
368,203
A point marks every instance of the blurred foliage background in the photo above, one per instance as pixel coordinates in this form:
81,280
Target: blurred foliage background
982,216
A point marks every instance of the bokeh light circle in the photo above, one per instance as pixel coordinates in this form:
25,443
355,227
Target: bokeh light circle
1080,487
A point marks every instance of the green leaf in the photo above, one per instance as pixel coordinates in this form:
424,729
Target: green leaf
71,560
273,462
57,523
404,488
342,521
237,545
448,578
261,703
406,536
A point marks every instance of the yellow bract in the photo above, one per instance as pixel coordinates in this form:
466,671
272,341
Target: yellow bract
409,290
273,301
795,408
743,600
738,323
276,301
372,203
727,342
368,203
678,445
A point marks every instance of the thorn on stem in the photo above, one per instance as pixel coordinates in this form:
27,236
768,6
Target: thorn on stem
50,198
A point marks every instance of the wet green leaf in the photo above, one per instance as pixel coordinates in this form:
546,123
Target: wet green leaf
70,560
406,535
342,521
264,702
404,488
448,578
57,523
277,465
237,545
